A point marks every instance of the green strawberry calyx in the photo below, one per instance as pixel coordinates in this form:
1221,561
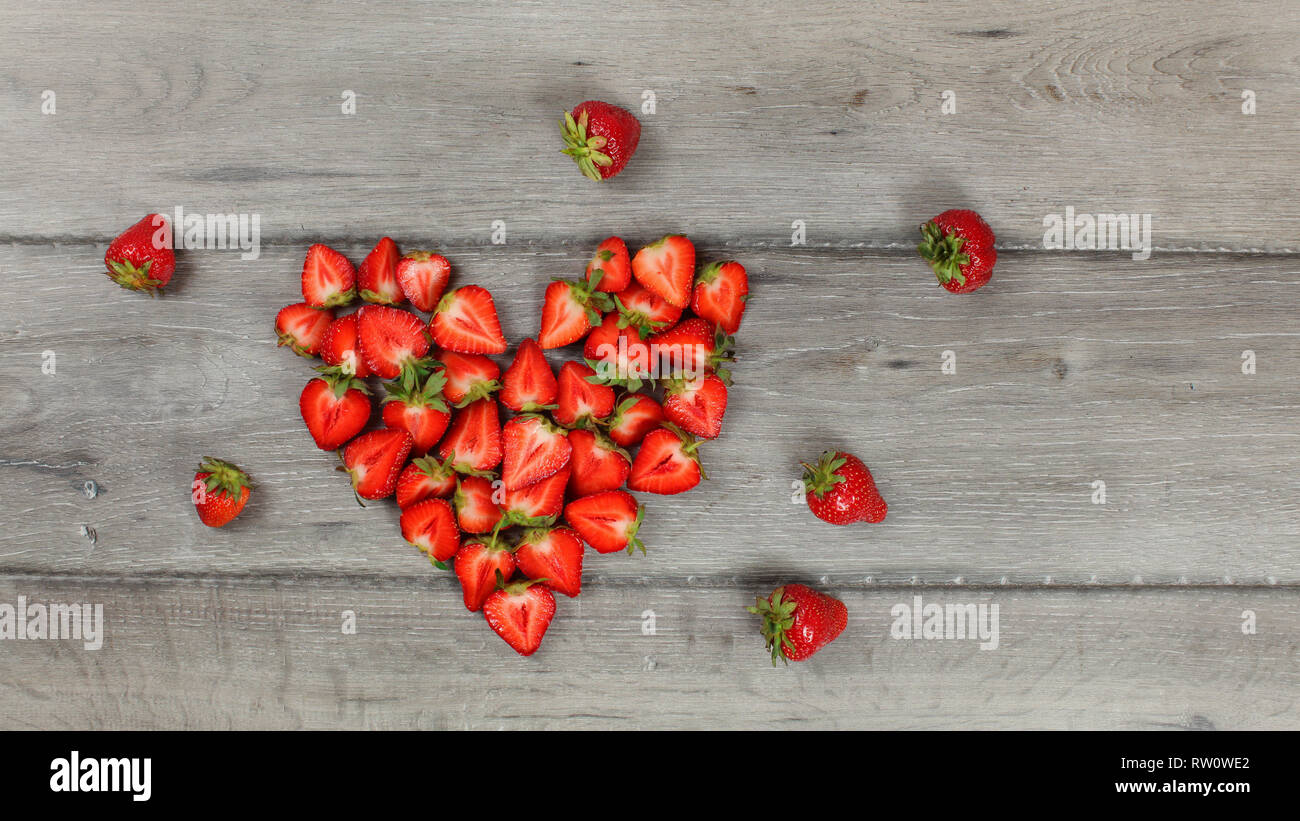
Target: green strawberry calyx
778,621
585,151
223,478
820,478
129,276
943,252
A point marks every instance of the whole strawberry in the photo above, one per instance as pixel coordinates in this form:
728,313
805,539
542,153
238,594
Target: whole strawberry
600,138
840,490
141,259
219,491
958,244
798,621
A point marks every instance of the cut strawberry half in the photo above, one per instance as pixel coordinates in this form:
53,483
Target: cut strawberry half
720,293
417,408
529,383
335,407
610,267
479,562
553,555
377,276
667,463
692,348
667,268
375,460
476,504
607,521
466,322
328,278
391,339
569,310
540,503
635,416
341,347
425,478
697,405
470,377
473,443
534,450
580,401
423,276
619,355
644,310
520,614
431,526
598,464
302,328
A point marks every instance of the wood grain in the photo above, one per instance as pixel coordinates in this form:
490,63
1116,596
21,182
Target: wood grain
828,113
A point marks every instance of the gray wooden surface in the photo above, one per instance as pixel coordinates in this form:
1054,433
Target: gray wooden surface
1072,367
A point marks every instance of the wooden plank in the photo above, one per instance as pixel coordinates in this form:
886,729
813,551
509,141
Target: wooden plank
253,654
829,113
1070,369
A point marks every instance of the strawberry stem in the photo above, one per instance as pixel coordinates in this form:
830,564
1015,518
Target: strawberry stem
943,252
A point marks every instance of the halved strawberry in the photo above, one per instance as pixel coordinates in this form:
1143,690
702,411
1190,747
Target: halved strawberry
377,276
478,563
391,339
466,322
534,449
375,460
643,309
579,401
667,267
611,260
328,278
529,384
302,328
607,521
598,464
418,409
635,416
520,614
694,347
431,526
667,463
474,437
538,503
721,291
476,504
618,354
335,407
423,277
554,556
425,478
342,348
470,377
697,405
569,310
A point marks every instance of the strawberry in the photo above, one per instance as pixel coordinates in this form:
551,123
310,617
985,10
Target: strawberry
958,244
431,526
553,555
417,409
538,503
618,353
470,377
667,463
607,521
579,401
391,339
141,258
423,277
598,464
219,491
696,405
466,322
840,490
342,348
721,291
798,621
375,459
610,269
473,442
694,347
478,564
600,138
534,449
425,478
377,276
520,614
335,407
667,268
302,328
529,383
571,308
476,508
635,416
328,279
643,309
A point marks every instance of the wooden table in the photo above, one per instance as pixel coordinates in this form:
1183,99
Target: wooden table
1073,367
